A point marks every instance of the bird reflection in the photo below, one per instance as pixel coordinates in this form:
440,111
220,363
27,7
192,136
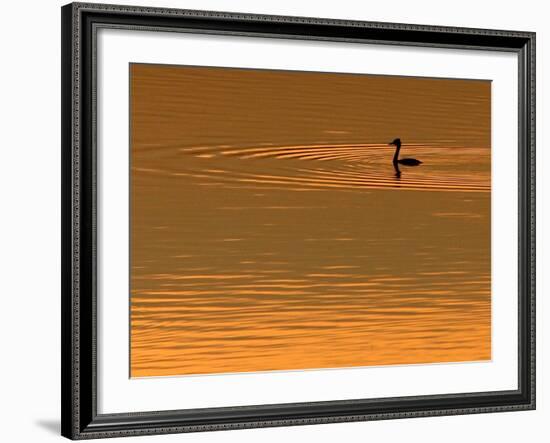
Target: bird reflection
397,170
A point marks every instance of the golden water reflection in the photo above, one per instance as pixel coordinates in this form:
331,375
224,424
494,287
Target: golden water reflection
250,252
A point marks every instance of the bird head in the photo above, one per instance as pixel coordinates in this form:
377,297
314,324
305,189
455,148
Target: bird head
395,142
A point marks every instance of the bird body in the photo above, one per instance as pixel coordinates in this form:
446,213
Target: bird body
409,162
403,161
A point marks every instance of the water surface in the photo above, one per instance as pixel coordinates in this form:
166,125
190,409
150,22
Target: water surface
269,230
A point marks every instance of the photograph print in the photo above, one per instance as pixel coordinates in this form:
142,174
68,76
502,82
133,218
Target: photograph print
289,220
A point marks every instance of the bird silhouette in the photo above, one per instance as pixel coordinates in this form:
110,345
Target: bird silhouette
403,161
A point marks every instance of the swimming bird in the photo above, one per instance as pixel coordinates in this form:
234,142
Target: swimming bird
403,161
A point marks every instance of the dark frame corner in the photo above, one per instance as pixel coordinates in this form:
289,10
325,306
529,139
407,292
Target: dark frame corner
80,419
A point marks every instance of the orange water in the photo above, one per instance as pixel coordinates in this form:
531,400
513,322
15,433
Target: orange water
257,249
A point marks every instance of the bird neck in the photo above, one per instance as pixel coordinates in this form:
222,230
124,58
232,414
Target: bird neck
396,155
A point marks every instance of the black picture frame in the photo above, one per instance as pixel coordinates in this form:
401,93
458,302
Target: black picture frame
80,419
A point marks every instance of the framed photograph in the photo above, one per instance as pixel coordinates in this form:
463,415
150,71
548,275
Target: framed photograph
273,221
